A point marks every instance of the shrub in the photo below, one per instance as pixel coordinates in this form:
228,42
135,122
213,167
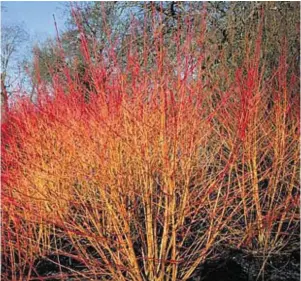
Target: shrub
154,166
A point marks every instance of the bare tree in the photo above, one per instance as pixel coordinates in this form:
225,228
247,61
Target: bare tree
12,39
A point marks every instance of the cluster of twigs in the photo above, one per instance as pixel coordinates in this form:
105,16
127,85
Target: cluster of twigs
141,175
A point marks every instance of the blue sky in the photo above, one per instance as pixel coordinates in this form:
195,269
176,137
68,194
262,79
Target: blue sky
35,16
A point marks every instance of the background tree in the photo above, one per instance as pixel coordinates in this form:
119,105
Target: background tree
229,25
13,38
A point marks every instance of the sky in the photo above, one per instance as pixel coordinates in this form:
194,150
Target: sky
35,16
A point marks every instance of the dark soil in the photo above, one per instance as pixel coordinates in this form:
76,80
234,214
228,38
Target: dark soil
239,266
233,265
